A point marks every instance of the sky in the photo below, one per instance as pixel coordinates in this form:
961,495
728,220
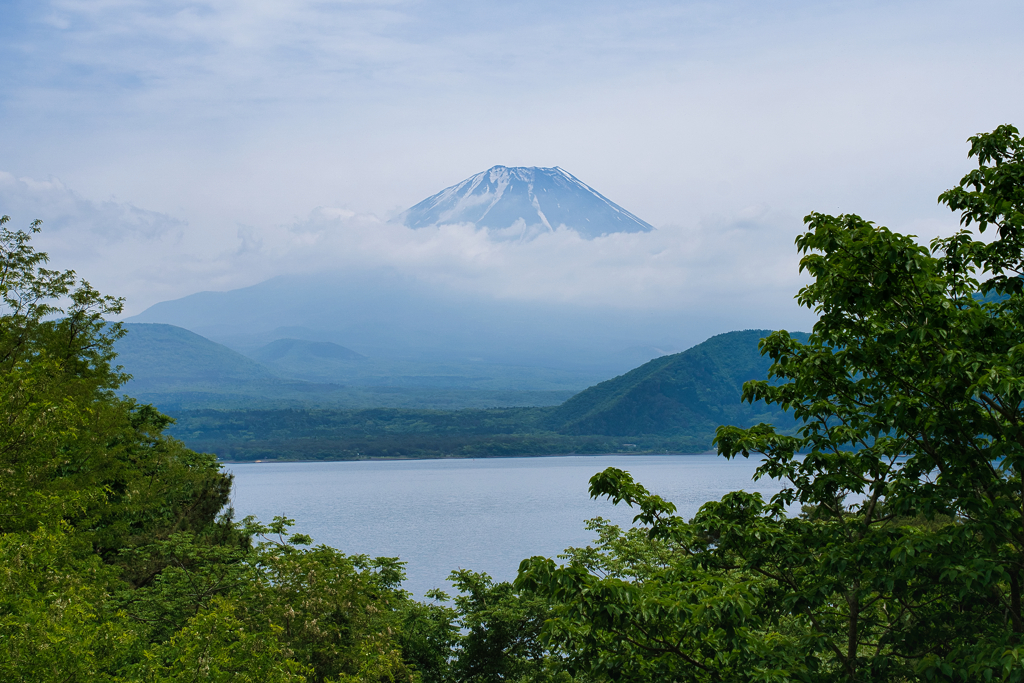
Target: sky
174,147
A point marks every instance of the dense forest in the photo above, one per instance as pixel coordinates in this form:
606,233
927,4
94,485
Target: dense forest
119,560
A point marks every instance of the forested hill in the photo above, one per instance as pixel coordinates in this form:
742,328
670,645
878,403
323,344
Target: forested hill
164,356
686,393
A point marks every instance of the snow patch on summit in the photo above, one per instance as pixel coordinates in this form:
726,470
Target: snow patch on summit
525,200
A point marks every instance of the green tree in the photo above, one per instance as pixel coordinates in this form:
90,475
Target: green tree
86,475
118,558
277,610
907,561
70,447
500,629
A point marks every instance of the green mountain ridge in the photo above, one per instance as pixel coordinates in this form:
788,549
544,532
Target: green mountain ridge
693,391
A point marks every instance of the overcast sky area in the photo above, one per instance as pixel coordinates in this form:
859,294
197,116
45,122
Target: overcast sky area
174,147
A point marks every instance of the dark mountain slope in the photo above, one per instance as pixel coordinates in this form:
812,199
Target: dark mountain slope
692,392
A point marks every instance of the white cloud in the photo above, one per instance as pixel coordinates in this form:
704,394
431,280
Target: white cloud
741,263
747,261
65,211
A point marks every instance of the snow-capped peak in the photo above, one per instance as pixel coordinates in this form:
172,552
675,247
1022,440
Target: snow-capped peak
528,197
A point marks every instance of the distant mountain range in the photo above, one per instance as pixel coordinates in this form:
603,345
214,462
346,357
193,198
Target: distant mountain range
524,200
386,316
287,349
672,403
177,370
310,349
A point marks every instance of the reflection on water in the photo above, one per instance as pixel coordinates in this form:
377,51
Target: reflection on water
481,514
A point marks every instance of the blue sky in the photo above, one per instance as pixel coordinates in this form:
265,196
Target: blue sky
173,147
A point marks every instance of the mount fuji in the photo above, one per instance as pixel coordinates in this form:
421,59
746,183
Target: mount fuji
521,201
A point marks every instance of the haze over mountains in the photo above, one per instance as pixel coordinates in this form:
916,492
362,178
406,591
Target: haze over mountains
176,369
389,316
239,408
382,315
670,404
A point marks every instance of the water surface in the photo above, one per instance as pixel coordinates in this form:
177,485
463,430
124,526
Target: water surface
481,514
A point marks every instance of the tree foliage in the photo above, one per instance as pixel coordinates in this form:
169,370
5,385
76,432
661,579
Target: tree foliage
119,559
906,561
500,633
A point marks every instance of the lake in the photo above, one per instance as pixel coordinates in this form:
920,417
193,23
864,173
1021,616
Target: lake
482,514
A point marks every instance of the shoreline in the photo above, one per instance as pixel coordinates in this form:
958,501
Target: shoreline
458,457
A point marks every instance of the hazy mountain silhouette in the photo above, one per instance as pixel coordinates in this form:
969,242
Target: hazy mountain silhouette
382,314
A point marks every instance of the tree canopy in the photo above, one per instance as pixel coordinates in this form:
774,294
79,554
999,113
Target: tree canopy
119,560
896,551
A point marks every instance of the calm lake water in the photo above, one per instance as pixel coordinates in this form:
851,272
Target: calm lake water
481,514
